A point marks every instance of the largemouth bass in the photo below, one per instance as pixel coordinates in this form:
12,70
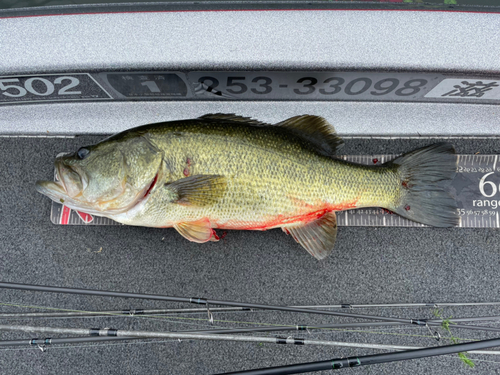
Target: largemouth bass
229,172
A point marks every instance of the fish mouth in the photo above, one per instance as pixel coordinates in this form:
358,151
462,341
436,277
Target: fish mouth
56,192
51,189
68,185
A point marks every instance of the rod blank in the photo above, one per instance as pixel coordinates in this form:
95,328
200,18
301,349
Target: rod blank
107,334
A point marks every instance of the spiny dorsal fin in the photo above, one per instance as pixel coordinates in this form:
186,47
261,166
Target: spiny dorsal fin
233,117
318,236
315,130
196,231
199,190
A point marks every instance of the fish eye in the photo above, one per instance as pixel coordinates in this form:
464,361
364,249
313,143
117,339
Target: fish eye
83,153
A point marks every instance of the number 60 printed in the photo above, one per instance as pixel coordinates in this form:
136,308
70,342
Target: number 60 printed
492,186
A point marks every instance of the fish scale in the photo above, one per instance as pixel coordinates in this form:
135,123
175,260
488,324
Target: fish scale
265,180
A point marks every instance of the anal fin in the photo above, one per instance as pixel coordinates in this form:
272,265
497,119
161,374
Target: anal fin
197,231
318,236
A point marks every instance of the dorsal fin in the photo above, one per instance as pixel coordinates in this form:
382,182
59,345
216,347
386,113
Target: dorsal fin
233,117
315,130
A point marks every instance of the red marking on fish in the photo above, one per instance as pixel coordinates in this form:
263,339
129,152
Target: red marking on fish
281,220
405,184
188,161
151,186
375,161
186,172
407,208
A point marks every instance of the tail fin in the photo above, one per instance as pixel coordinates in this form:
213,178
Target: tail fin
423,174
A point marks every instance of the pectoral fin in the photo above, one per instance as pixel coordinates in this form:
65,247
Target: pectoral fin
197,231
198,190
318,236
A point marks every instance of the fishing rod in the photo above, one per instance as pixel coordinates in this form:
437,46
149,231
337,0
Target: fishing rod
338,363
43,344
133,312
207,302
151,312
127,335
146,313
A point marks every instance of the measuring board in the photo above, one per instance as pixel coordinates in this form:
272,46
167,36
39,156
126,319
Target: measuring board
476,188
